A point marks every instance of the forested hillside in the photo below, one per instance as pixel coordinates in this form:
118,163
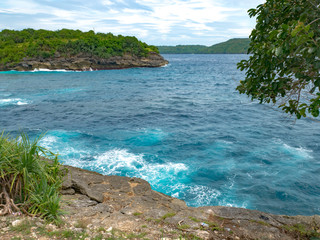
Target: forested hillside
232,46
45,44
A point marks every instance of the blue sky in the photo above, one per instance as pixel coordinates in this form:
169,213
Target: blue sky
157,22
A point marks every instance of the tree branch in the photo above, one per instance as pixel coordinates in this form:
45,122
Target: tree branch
313,21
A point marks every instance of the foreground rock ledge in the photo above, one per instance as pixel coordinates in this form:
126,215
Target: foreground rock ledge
114,207
128,203
85,62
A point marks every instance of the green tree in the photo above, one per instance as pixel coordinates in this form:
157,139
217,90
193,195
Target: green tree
45,44
284,67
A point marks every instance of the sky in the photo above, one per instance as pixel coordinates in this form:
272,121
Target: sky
156,22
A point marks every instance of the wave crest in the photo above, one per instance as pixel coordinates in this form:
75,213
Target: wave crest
13,101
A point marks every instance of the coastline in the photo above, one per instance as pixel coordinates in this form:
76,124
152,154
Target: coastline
85,62
114,207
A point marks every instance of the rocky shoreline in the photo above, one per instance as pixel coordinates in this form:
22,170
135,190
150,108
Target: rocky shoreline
86,62
114,207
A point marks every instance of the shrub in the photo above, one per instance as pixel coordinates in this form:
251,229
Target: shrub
30,178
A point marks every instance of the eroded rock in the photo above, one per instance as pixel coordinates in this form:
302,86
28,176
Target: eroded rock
85,62
130,205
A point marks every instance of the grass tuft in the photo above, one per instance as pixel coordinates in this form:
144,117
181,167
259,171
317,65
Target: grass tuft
168,215
30,178
137,213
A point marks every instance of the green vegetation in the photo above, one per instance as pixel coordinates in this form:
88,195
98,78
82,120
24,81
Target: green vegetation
28,230
194,219
183,226
30,178
168,215
23,227
27,227
182,49
302,232
137,214
285,66
232,46
44,44
260,222
214,226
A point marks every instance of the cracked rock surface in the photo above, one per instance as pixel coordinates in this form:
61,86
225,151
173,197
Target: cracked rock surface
115,207
85,62
128,203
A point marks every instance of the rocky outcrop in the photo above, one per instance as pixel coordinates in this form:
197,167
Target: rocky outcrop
130,205
113,207
85,62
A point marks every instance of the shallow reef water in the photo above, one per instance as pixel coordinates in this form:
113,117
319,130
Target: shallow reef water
183,127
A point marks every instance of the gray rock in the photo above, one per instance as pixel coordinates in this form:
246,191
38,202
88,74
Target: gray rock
82,62
17,222
69,191
202,234
111,201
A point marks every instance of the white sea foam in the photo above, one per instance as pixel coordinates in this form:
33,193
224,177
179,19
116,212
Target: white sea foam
225,142
231,204
300,151
48,141
21,103
69,153
49,70
117,161
166,177
57,70
170,178
197,195
114,161
296,151
203,195
13,101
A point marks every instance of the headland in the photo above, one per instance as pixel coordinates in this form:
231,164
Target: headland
67,49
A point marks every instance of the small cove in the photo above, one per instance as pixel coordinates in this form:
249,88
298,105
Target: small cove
183,127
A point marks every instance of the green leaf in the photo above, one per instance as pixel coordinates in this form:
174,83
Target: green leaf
285,57
311,50
303,17
278,51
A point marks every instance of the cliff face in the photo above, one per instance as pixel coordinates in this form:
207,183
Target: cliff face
85,62
113,207
130,205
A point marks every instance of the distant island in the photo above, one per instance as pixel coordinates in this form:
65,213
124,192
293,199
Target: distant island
31,49
232,46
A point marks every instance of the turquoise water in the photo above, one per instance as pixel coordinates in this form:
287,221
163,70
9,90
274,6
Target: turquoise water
184,128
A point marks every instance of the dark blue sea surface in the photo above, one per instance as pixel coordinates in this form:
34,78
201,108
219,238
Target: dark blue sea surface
183,127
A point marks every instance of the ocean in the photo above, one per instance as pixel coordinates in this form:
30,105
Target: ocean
183,127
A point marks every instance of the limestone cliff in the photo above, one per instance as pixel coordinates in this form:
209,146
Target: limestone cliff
113,207
128,203
85,62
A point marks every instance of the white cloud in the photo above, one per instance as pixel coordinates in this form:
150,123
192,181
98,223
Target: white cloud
241,32
107,2
198,26
181,19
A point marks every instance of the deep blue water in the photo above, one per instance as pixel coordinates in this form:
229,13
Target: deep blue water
183,127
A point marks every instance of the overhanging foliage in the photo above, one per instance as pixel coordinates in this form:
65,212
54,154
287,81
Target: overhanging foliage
285,64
